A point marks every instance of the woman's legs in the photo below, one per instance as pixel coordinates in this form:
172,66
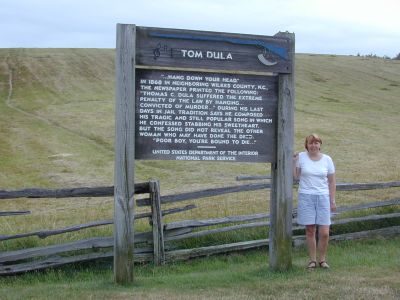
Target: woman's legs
311,242
309,212
323,240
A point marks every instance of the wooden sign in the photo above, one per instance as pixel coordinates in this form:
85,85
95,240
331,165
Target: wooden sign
207,95
195,95
211,50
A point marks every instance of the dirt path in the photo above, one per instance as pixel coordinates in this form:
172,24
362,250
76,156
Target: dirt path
10,93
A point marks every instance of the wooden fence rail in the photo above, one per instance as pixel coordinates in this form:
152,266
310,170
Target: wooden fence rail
14,262
49,232
260,186
143,188
140,188
14,213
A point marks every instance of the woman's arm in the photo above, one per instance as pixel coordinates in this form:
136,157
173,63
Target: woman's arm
296,170
332,190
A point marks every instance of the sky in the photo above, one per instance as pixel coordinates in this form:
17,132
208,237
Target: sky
341,27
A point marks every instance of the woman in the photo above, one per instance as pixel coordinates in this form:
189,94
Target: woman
317,188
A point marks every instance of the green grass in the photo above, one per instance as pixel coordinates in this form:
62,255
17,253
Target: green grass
57,130
359,270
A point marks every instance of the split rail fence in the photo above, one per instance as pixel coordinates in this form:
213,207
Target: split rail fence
24,260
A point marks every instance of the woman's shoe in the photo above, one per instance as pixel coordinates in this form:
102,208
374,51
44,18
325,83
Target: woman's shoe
312,265
323,265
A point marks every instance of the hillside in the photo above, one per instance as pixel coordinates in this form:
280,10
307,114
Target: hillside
57,121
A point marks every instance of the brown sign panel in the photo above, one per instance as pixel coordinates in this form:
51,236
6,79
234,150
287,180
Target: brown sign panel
205,116
210,50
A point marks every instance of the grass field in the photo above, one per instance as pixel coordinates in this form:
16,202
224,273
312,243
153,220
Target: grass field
57,123
359,270
57,130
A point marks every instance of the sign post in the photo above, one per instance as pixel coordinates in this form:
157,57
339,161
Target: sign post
280,234
124,185
205,96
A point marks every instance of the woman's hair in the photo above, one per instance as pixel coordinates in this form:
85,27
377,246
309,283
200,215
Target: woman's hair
311,138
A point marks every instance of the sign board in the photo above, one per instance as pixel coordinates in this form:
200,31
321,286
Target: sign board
205,116
207,96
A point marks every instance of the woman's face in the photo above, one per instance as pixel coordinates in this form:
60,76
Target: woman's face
313,146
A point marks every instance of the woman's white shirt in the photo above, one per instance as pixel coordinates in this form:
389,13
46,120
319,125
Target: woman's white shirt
314,174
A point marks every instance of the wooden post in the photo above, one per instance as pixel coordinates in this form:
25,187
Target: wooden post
157,223
124,186
280,236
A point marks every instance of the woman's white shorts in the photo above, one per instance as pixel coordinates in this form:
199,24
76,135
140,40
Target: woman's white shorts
313,210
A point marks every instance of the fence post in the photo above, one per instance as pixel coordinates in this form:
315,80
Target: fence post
157,223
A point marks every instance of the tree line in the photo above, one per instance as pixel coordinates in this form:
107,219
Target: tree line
397,57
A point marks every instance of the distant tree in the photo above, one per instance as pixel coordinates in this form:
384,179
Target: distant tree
397,57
